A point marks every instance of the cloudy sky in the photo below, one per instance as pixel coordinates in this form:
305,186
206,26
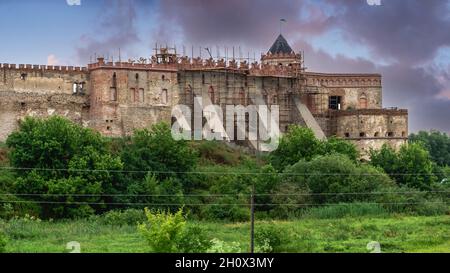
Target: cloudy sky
407,41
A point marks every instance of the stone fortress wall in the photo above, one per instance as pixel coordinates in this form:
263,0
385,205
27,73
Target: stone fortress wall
116,98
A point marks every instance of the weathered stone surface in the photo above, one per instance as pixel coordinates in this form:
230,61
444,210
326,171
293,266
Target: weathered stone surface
116,98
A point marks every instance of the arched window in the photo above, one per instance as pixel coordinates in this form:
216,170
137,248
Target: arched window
377,134
363,102
362,134
212,95
164,98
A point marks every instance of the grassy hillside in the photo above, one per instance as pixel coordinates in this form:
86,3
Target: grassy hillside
395,234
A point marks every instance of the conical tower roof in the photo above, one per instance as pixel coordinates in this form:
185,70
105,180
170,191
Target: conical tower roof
280,46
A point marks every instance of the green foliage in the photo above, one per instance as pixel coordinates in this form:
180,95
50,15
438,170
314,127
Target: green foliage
437,144
408,200
410,166
58,160
123,217
341,146
162,230
156,150
342,210
219,246
227,208
215,152
3,242
324,176
193,240
288,195
152,191
166,232
269,238
300,143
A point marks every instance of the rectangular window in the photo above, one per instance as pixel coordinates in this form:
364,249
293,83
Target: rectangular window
334,102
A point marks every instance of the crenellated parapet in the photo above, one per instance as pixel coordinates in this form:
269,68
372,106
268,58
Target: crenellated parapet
341,80
186,63
34,67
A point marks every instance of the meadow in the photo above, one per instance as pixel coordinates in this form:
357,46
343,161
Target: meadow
349,234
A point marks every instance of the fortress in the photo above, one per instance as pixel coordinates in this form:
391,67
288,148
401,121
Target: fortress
115,98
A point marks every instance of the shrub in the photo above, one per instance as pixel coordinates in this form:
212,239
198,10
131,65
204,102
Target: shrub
331,178
433,207
166,232
193,240
122,218
269,238
300,143
437,144
156,150
345,210
227,208
217,153
52,152
410,166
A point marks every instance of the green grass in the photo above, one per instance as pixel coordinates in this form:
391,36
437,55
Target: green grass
395,234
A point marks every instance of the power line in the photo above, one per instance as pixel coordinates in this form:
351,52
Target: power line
210,172
217,195
212,204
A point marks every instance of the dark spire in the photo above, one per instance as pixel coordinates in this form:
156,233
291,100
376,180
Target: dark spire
280,46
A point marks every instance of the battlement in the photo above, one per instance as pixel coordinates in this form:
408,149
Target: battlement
342,80
199,64
34,67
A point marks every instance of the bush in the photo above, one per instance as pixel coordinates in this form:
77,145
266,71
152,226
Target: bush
52,152
227,208
410,166
166,232
193,240
156,150
433,207
122,218
345,210
437,144
269,238
300,143
331,178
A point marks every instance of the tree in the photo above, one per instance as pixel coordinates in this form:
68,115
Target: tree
57,161
157,152
411,165
300,143
437,144
327,177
